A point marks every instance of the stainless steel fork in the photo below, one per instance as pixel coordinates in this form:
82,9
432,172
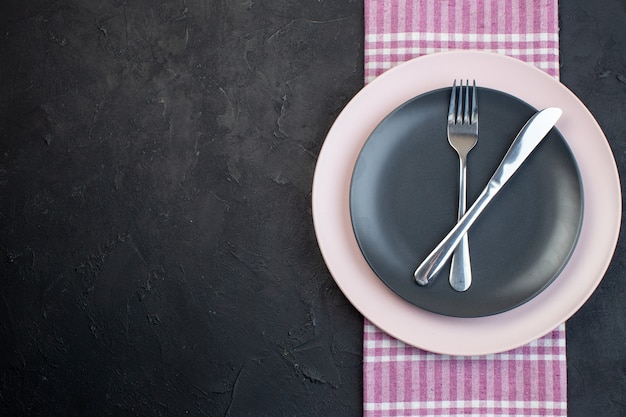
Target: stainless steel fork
462,135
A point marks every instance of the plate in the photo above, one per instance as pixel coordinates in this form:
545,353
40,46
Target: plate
436,332
403,200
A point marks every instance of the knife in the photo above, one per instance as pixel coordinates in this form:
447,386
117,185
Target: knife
526,141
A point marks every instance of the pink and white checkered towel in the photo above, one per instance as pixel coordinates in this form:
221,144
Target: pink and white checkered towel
400,380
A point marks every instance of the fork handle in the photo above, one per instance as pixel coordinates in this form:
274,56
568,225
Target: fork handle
526,141
461,268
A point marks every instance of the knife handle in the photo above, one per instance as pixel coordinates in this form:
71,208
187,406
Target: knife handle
433,263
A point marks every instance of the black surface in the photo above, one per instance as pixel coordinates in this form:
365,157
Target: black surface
403,200
157,248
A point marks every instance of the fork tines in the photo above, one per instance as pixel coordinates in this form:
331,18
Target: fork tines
466,112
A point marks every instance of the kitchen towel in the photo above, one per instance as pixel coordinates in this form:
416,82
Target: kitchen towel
401,380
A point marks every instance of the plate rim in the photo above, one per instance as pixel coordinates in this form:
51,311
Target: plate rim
482,335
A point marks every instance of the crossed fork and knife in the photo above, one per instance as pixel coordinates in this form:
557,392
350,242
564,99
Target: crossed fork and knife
462,136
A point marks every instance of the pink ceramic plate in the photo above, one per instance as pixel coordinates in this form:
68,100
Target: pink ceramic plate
451,335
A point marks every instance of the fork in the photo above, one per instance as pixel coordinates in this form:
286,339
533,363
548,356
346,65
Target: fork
462,135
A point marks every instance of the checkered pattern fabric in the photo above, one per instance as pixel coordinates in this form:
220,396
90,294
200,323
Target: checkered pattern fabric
398,30
401,380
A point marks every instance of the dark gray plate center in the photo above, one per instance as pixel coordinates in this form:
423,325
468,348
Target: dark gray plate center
403,201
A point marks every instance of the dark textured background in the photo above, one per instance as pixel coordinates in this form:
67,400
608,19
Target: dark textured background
157,253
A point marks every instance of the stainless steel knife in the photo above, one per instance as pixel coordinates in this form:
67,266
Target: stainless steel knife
526,141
